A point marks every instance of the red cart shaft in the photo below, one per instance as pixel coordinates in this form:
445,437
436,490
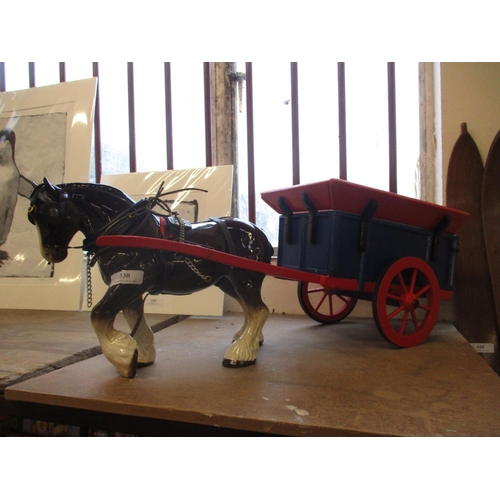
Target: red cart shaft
343,284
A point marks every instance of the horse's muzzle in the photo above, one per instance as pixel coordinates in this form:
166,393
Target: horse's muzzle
54,254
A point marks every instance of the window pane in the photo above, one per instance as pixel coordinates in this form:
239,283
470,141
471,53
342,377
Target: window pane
113,92
16,75
150,128
408,128
78,71
367,124
188,115
272,136
242,149
46,73
318,121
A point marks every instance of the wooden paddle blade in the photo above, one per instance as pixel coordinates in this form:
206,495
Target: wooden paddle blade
491,218
473,303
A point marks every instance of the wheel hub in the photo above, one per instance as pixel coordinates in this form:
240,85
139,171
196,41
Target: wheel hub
409,301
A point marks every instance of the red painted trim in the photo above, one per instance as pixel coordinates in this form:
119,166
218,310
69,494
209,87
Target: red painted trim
337,194
341,284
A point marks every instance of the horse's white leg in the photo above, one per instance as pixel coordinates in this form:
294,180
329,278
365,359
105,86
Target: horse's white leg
143,334
246,342
243,351
245,326
240,332
119,348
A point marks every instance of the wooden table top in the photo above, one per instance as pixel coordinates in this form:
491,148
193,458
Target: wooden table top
309,379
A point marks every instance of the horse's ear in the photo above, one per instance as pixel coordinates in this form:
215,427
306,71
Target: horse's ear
55,192
51,189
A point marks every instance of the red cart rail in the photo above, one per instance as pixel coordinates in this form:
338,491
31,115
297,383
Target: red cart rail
205,253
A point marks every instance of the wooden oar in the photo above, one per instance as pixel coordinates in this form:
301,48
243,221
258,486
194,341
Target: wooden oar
491,218
473,303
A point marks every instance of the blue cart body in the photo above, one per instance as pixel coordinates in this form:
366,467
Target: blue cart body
345,245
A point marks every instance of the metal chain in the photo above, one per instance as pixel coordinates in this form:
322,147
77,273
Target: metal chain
89,281
187,260
196,271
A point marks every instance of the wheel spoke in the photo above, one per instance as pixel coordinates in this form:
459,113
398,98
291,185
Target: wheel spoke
320,303
415,320
395,312
316,290
422,291
403,323
413,280
402,282
345,300
394,297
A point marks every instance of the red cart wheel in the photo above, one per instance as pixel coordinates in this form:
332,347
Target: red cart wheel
323,304
406,302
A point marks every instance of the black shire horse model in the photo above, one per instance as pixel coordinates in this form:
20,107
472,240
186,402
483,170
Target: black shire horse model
59,211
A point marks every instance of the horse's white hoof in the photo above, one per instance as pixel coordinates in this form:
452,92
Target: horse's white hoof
241,353
130,370
123,353
232,363
147,356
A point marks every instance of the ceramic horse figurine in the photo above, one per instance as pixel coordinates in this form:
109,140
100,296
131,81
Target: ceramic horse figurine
60,211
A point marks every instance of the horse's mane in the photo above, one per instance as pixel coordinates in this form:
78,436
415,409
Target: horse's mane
87,188
108,199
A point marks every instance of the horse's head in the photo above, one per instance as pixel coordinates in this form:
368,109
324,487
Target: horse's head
56,219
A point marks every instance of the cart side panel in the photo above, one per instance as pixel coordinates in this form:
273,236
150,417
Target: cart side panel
336,250
316,257
389,242
291,251
444,264
345,257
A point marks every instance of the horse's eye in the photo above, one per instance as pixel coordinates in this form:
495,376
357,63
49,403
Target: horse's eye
54,213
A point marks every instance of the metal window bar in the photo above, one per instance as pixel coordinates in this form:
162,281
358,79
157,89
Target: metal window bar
207,84
250,143
342,121
62,72
32,79
97,127
294,77
131,119
168,116
3,86
391,94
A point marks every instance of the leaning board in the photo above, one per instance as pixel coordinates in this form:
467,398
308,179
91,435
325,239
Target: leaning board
491,218
472,298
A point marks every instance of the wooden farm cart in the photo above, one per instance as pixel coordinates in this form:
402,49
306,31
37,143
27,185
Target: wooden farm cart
343,242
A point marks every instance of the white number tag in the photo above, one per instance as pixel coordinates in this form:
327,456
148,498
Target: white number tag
127,278
485,348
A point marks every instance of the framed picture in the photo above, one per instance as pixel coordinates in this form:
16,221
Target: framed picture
191,205
52,126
